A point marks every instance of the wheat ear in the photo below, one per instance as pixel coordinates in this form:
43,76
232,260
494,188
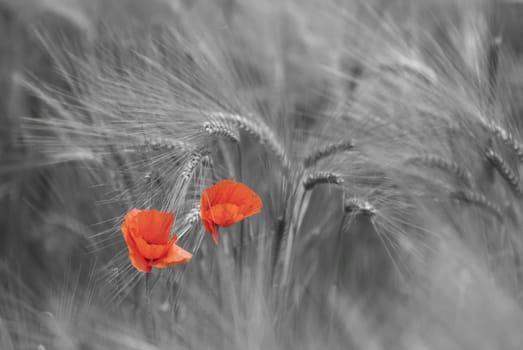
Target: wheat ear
323,177
493,63
358,205
158,144
258,130
326,151
216,127
447,165
477,199
196,158
505,171
508,139
193,216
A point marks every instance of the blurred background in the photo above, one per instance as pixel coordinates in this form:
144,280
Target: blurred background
60,217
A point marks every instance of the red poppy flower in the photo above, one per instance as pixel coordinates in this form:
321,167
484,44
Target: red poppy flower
146,233
227,203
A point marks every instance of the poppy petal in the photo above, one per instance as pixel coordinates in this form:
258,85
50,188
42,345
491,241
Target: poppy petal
127,236
216,194
131,244
129,222
139,262
228,191
215,237
225,214
152,251
128,227
227,203
132,214
154,226
175,256
219,193
241,195
209,226
252,204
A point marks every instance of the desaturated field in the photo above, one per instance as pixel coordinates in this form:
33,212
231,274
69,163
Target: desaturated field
383,138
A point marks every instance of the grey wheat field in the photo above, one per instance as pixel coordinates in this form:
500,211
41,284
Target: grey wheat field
383,137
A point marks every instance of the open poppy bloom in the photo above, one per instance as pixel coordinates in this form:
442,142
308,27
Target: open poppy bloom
227,203
146,233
